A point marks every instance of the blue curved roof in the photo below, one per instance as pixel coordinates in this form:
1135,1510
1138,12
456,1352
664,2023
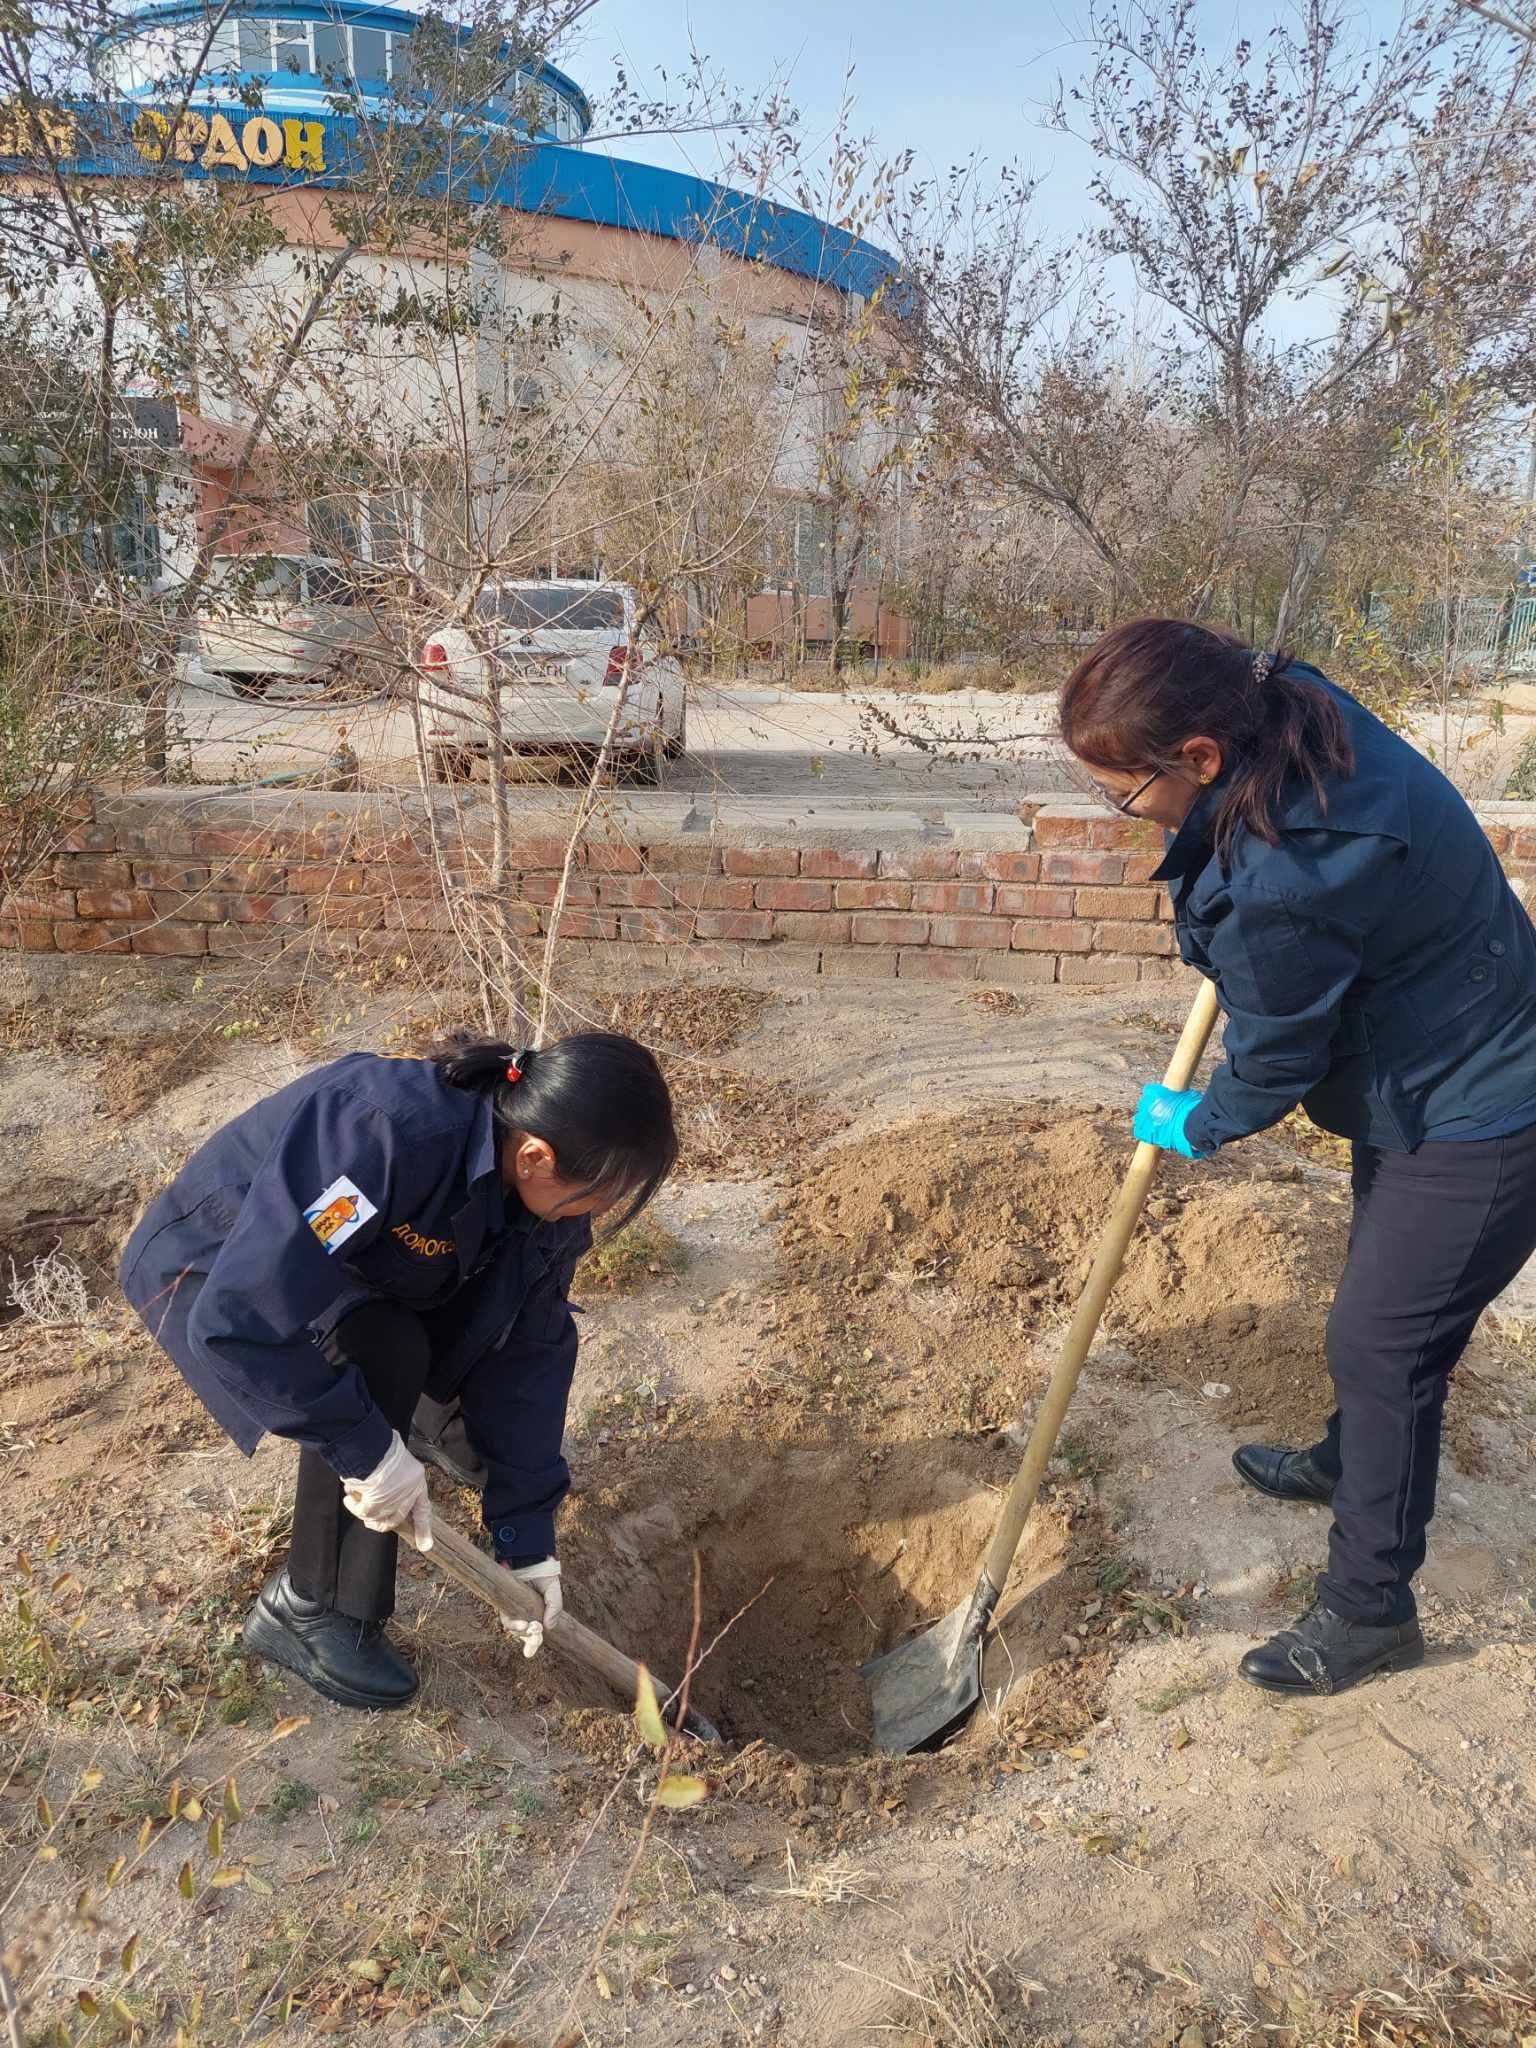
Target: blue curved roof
543,177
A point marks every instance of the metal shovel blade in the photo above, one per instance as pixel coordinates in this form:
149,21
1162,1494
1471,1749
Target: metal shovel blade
924,1692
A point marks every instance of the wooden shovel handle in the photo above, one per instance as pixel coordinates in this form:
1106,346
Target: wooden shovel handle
471,1568
1105,1271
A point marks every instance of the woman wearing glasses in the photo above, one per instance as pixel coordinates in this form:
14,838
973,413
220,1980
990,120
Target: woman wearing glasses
1375,967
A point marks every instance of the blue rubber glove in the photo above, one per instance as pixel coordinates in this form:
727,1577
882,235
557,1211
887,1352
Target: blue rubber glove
1161,1116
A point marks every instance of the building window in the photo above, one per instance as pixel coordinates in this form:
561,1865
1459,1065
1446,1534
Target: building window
331,60
400,63
370,53
291,46
255,45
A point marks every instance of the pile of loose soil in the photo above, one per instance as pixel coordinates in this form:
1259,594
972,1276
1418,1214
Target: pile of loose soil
964,1239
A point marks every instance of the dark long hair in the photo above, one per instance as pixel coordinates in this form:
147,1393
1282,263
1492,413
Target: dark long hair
596,1098
1151,684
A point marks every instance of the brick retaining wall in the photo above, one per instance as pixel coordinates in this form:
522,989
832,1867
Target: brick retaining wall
1064,893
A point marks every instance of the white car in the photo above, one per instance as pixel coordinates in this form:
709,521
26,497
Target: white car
555,653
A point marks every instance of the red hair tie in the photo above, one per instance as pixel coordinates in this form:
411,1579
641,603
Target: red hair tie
519,1064
514,1073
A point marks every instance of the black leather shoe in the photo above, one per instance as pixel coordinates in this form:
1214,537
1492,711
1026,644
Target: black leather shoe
351,1662
1282,1474
1324,1653
438,1437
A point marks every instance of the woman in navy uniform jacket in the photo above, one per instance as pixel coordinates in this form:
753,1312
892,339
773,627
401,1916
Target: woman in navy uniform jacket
381,1232
1375,967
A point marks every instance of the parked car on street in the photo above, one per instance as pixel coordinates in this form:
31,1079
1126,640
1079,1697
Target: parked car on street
554,653
279,622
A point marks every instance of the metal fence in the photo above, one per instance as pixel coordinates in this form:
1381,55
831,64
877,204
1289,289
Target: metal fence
1485,633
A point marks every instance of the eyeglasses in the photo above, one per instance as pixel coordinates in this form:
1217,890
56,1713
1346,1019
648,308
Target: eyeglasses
1125,804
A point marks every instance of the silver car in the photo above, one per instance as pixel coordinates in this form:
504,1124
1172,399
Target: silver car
554,653
274,623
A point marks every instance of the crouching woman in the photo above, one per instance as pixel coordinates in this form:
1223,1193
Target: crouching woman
379,1232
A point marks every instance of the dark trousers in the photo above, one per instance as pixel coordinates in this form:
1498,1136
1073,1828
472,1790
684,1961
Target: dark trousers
333,1558
1436,1235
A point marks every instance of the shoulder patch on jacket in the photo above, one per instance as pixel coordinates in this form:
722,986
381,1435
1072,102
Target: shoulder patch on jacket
339,1213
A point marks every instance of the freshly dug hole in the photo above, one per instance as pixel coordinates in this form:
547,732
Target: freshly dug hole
815,1557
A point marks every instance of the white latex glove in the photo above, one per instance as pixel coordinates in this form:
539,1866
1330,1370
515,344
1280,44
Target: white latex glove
393,1496
544,1578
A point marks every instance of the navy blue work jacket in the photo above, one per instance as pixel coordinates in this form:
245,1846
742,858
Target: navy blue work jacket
369,1178
1374,966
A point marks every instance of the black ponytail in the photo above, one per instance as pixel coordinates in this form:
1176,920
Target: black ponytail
596,1098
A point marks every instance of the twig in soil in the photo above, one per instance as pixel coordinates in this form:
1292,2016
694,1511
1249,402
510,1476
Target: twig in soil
874,1626
10,2010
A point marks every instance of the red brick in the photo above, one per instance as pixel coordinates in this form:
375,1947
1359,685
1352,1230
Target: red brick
93,873
1011,969
986,934
1018,899
629,892
1097,971
89,839
923,864
25,935
579,891
1039,936
812,927
658,926
695,958
873,929
1059,830
92,938
133,903
584,924
873,895
335,880
858,963
1116,903
261,941
262,909
174,941
999,867
833,865
252,877
1500,837
353,913
924,965
685,857
168,874
233,839
538,853
1164,908
1101,870
1132,938
35,903
1141,867
952,897
761,860
701,892
1160,970
754,927
793,895
1128,835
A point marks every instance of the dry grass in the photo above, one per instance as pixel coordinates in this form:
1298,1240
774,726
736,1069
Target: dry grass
969,2000
643,1250
52,1293
686,1016
838,1881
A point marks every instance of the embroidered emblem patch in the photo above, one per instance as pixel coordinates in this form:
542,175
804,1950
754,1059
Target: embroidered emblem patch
424,1247
339,1213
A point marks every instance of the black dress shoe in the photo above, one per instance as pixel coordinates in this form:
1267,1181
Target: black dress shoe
351,1662
1282,1474
438,1437
1324,1653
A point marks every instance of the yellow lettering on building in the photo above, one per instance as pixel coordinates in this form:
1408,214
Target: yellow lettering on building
47,131
191,134
151,134
223,152
262,141
305,149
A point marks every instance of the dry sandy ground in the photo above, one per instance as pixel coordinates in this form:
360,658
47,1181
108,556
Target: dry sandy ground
1134,1848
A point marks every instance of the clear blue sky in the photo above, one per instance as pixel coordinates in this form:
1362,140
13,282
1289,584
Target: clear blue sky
929,75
